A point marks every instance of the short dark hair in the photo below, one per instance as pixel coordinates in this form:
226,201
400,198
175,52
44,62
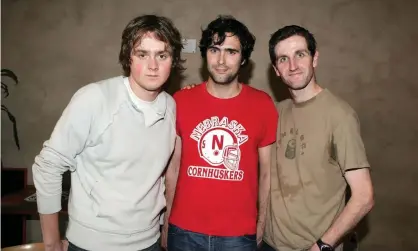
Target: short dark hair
227,24
286,32
163,29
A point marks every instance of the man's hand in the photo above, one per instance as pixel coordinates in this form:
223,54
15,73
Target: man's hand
264,156
51,234
260,232
188,87
171,176
61,245
64,245
164,235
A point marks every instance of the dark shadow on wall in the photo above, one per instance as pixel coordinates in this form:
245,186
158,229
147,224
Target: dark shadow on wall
279,89
174,82
244,76
204,73
246,73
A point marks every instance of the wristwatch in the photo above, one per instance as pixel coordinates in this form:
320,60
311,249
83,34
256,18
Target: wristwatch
324,246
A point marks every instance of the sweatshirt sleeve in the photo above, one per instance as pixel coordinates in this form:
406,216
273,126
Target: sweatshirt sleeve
67,140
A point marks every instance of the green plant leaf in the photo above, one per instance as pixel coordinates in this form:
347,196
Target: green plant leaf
5,89
13,120
10,74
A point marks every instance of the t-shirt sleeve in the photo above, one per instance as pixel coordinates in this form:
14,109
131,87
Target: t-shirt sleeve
348,144
270,119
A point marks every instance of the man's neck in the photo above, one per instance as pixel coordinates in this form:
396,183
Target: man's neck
307,93
141,93
223,91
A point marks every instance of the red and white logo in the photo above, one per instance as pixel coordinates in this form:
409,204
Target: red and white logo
218,144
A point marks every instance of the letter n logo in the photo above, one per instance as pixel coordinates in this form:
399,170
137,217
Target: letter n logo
217,142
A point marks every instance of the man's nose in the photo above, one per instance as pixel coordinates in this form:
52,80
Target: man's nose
292,64
221,58
152,64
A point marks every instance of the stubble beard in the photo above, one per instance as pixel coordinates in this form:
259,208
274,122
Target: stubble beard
300,87
223,80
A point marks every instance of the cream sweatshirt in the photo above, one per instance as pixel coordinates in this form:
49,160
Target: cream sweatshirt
116,147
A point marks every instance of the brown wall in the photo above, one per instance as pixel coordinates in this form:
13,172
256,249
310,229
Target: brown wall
367,55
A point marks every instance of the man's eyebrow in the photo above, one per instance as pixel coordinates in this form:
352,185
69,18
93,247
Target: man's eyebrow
140,50
226,49
231,50
296,52
304,51
147,51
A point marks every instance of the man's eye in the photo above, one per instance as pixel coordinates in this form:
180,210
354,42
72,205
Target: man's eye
212,50
301,55
281,60
163,56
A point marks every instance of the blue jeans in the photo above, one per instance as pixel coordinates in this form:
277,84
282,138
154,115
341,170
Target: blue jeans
155,247
182,240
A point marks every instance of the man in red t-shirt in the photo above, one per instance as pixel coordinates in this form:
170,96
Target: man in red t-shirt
225,131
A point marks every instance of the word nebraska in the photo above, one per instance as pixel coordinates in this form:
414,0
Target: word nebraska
215,173
214,122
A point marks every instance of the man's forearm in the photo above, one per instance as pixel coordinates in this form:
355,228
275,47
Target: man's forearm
354,211
263,184
170,188
171,178
263,194
50,229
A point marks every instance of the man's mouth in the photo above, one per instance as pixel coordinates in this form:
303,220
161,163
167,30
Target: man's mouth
221,70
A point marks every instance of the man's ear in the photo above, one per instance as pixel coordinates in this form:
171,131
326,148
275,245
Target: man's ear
315,59
276,70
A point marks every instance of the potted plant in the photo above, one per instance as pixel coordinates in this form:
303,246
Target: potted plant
5,90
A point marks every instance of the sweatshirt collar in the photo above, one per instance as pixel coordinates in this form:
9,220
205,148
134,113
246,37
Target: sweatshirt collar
153,111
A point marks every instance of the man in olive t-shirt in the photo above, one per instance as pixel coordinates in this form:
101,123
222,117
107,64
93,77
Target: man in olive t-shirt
319,151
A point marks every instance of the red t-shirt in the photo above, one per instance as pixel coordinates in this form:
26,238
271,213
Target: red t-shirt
217,187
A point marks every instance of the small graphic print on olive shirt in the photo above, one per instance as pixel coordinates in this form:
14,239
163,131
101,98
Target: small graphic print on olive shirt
292,144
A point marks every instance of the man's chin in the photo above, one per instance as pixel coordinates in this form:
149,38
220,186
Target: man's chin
154,88
223,80
297,87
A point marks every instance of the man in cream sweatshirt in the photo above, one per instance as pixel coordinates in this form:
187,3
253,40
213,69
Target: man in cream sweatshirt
116,137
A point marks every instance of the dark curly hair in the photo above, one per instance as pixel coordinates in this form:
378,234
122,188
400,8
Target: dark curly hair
286,32
163,29
227,24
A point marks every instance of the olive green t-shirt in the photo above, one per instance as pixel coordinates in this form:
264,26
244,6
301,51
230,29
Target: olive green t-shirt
317,142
